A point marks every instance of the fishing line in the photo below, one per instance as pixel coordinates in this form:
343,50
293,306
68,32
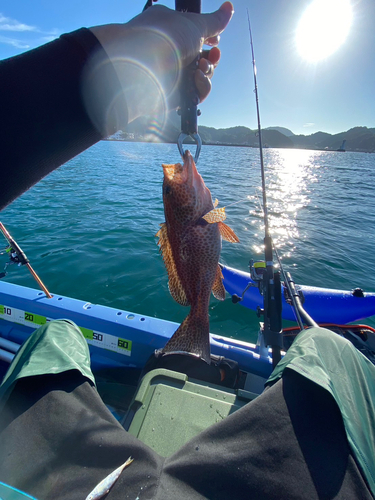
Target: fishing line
235,203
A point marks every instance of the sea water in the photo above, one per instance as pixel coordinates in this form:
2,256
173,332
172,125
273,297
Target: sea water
89,227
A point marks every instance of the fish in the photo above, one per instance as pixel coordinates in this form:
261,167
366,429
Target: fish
106,484
190,242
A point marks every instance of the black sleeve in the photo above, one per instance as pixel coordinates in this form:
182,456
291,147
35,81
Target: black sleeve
44,121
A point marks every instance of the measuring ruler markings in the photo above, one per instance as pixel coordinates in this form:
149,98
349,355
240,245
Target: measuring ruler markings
94,338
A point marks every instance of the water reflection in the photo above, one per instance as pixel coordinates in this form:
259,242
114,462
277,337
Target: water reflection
289,175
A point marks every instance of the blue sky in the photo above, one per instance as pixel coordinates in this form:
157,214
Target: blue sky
331,95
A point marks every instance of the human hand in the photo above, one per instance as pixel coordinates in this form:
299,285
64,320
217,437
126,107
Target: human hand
150,51
188,32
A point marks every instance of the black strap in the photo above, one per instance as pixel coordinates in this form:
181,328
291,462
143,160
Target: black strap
221,371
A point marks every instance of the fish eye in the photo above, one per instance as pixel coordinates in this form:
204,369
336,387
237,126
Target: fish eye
167,190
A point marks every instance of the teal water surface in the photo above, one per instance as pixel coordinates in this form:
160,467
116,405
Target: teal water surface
89,227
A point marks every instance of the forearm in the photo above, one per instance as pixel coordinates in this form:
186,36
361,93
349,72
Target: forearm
61,98
44,110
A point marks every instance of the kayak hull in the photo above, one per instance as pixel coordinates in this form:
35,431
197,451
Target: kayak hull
116,338
324,305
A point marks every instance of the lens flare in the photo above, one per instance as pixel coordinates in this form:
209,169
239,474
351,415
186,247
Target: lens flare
118,88
323,28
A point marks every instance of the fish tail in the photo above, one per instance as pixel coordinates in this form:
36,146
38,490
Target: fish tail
193,335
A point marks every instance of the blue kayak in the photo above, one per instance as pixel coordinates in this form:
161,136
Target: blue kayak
325,305
116,338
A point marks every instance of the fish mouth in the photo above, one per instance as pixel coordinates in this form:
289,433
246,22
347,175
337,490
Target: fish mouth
181,174
173,172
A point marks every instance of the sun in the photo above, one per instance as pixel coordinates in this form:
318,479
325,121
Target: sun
323,27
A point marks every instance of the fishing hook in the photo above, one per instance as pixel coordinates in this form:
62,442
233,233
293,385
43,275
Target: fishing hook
196,137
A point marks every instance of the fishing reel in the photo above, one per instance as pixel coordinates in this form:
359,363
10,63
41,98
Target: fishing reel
257,272
13,259
17,256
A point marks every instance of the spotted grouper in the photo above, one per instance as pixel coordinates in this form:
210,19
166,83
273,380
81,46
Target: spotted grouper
190,242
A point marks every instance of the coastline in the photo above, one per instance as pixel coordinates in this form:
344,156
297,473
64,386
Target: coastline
204,143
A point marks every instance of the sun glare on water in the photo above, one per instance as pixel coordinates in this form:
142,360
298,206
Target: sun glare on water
323,27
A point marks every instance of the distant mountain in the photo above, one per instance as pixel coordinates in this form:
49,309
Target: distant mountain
357,138
313,141
282,130
234,135
243,136
144,129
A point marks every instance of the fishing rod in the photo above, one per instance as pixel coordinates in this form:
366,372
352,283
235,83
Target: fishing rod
272,327
18,256
271,283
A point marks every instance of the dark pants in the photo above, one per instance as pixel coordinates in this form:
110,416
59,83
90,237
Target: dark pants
58,440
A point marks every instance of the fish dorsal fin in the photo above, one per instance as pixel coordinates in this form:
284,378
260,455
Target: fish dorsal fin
227,233
215,215
174,284
218,289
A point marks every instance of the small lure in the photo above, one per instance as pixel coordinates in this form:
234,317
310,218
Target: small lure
106,484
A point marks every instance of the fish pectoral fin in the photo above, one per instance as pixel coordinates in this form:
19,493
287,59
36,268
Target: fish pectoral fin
227,233
218,289
215,215
174,283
